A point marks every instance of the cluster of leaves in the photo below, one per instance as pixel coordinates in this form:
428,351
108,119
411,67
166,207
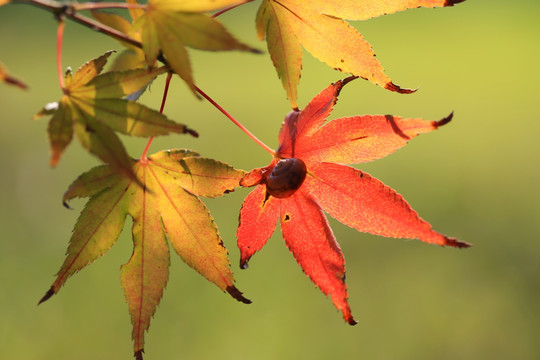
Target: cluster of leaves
161,192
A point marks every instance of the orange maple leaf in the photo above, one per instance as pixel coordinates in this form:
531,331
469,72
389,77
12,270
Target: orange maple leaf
306,177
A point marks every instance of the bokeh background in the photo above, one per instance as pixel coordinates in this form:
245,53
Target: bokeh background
476,179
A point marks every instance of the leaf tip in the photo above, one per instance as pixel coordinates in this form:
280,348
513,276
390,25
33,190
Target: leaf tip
452,2
393,87
191,132
55,158
347,314
139,354
237,294
456,243
66,205
16,82
47,295
339,85
444,121
257,51
348,80
244,264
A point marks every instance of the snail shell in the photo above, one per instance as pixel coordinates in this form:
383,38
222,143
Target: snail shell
286,177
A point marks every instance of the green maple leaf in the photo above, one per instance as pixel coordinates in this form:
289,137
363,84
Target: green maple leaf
165,210
92,107
168,26
318,26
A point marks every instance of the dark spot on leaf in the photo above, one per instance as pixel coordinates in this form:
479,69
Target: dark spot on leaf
89,129
396,129
266,197
342,60
287,217
359,138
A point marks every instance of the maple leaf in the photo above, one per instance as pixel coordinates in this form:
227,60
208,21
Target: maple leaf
92,107
166,209
307,177
318,25
169,26
6,77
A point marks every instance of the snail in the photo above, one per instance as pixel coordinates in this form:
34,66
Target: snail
286,177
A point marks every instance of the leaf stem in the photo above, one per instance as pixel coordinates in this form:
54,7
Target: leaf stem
230,8
163,100
59,39
237,123
70,11
111,5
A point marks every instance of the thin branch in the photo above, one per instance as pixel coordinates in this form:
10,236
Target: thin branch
230,8
70,12
111,5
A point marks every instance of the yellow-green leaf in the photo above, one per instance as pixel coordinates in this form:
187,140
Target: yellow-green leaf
87,71
318,25
363,10
169,26
200,176
102,142
48,109
129,59
129,117
60,131
115,21
135,13
117,84
194,5
94,106
164,210
335,42
284,47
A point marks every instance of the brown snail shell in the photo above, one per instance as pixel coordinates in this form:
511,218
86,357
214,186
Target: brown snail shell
286,177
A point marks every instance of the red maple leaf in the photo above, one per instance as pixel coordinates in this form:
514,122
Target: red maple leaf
306,177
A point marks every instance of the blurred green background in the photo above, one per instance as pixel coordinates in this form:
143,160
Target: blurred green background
476,179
